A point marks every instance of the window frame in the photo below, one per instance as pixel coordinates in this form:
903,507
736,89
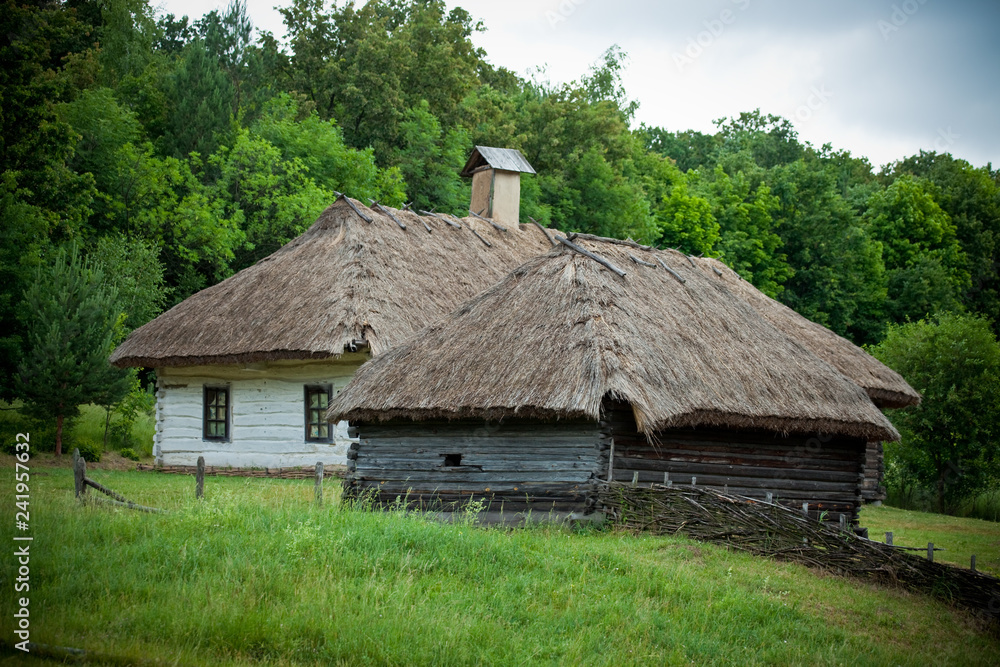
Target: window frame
227,421
309,390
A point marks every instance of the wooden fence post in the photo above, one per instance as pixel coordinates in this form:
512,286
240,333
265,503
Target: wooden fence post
79,474
694,481
319,483
805,509
770,497
930,551
199,479
635,478
843,522
666,479
973,566
888,538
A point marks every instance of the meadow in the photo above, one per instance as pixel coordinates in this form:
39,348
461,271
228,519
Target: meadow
255,572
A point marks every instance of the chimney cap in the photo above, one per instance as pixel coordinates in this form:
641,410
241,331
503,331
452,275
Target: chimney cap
504,159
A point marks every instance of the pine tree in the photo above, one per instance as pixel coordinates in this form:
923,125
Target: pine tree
70,317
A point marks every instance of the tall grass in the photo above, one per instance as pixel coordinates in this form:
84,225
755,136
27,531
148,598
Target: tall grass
89,426
984,505
256,573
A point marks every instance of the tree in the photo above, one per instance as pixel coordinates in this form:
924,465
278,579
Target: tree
71,322
948,440
971,197
927,268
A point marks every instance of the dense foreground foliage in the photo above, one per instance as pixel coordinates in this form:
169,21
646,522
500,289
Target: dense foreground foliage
256,573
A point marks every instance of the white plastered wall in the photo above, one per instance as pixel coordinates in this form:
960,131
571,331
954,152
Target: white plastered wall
267,422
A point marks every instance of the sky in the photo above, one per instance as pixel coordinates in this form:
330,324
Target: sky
883,79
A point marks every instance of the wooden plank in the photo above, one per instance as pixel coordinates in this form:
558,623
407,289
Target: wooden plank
682,468
457,477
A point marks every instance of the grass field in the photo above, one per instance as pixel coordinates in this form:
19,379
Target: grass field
960,538
256,574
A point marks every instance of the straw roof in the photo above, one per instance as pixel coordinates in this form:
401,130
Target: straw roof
345,280
885,387
562,332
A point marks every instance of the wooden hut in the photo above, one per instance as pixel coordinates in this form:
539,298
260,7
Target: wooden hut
245,369
649,365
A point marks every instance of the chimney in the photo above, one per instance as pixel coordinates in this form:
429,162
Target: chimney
496,182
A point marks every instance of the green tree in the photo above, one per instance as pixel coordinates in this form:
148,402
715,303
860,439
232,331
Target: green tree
272,200
743,207
430,162
971,198
131,268
927,268
948,440
839,278
71,319
203,99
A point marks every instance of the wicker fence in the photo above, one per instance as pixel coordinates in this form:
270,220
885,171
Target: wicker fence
768,529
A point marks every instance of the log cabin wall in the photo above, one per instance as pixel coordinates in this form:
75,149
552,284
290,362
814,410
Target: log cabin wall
796,469
873,490
514,466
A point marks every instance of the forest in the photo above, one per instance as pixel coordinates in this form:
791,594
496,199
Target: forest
144,157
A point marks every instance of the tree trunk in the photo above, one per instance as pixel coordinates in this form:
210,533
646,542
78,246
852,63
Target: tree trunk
59,425
107,424
940,489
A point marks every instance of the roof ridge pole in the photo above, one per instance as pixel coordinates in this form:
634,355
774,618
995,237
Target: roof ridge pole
341,195
496,226
378,206
586,253
544,231
443,219
671,271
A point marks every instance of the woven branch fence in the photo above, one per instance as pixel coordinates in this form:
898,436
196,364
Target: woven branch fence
767,529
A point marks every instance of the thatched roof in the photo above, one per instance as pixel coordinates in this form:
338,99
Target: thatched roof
885,387
345,280
562,332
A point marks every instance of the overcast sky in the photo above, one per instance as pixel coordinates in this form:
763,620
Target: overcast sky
881,78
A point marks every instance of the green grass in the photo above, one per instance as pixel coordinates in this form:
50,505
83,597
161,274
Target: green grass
256,574
960,538
88,426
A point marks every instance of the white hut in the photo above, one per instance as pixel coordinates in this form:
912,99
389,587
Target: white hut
245,369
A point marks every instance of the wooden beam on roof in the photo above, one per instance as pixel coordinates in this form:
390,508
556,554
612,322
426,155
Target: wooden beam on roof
350,203
544,231
496,226
442,218
399,222
671,271
639,261
586,253
488,244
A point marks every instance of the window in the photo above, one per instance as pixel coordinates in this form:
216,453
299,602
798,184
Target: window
216,415
317,401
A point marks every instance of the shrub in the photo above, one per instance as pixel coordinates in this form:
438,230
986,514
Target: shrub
90,451
12,422
129,454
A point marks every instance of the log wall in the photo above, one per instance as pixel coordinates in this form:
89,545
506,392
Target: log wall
827,473
873,490
513,466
